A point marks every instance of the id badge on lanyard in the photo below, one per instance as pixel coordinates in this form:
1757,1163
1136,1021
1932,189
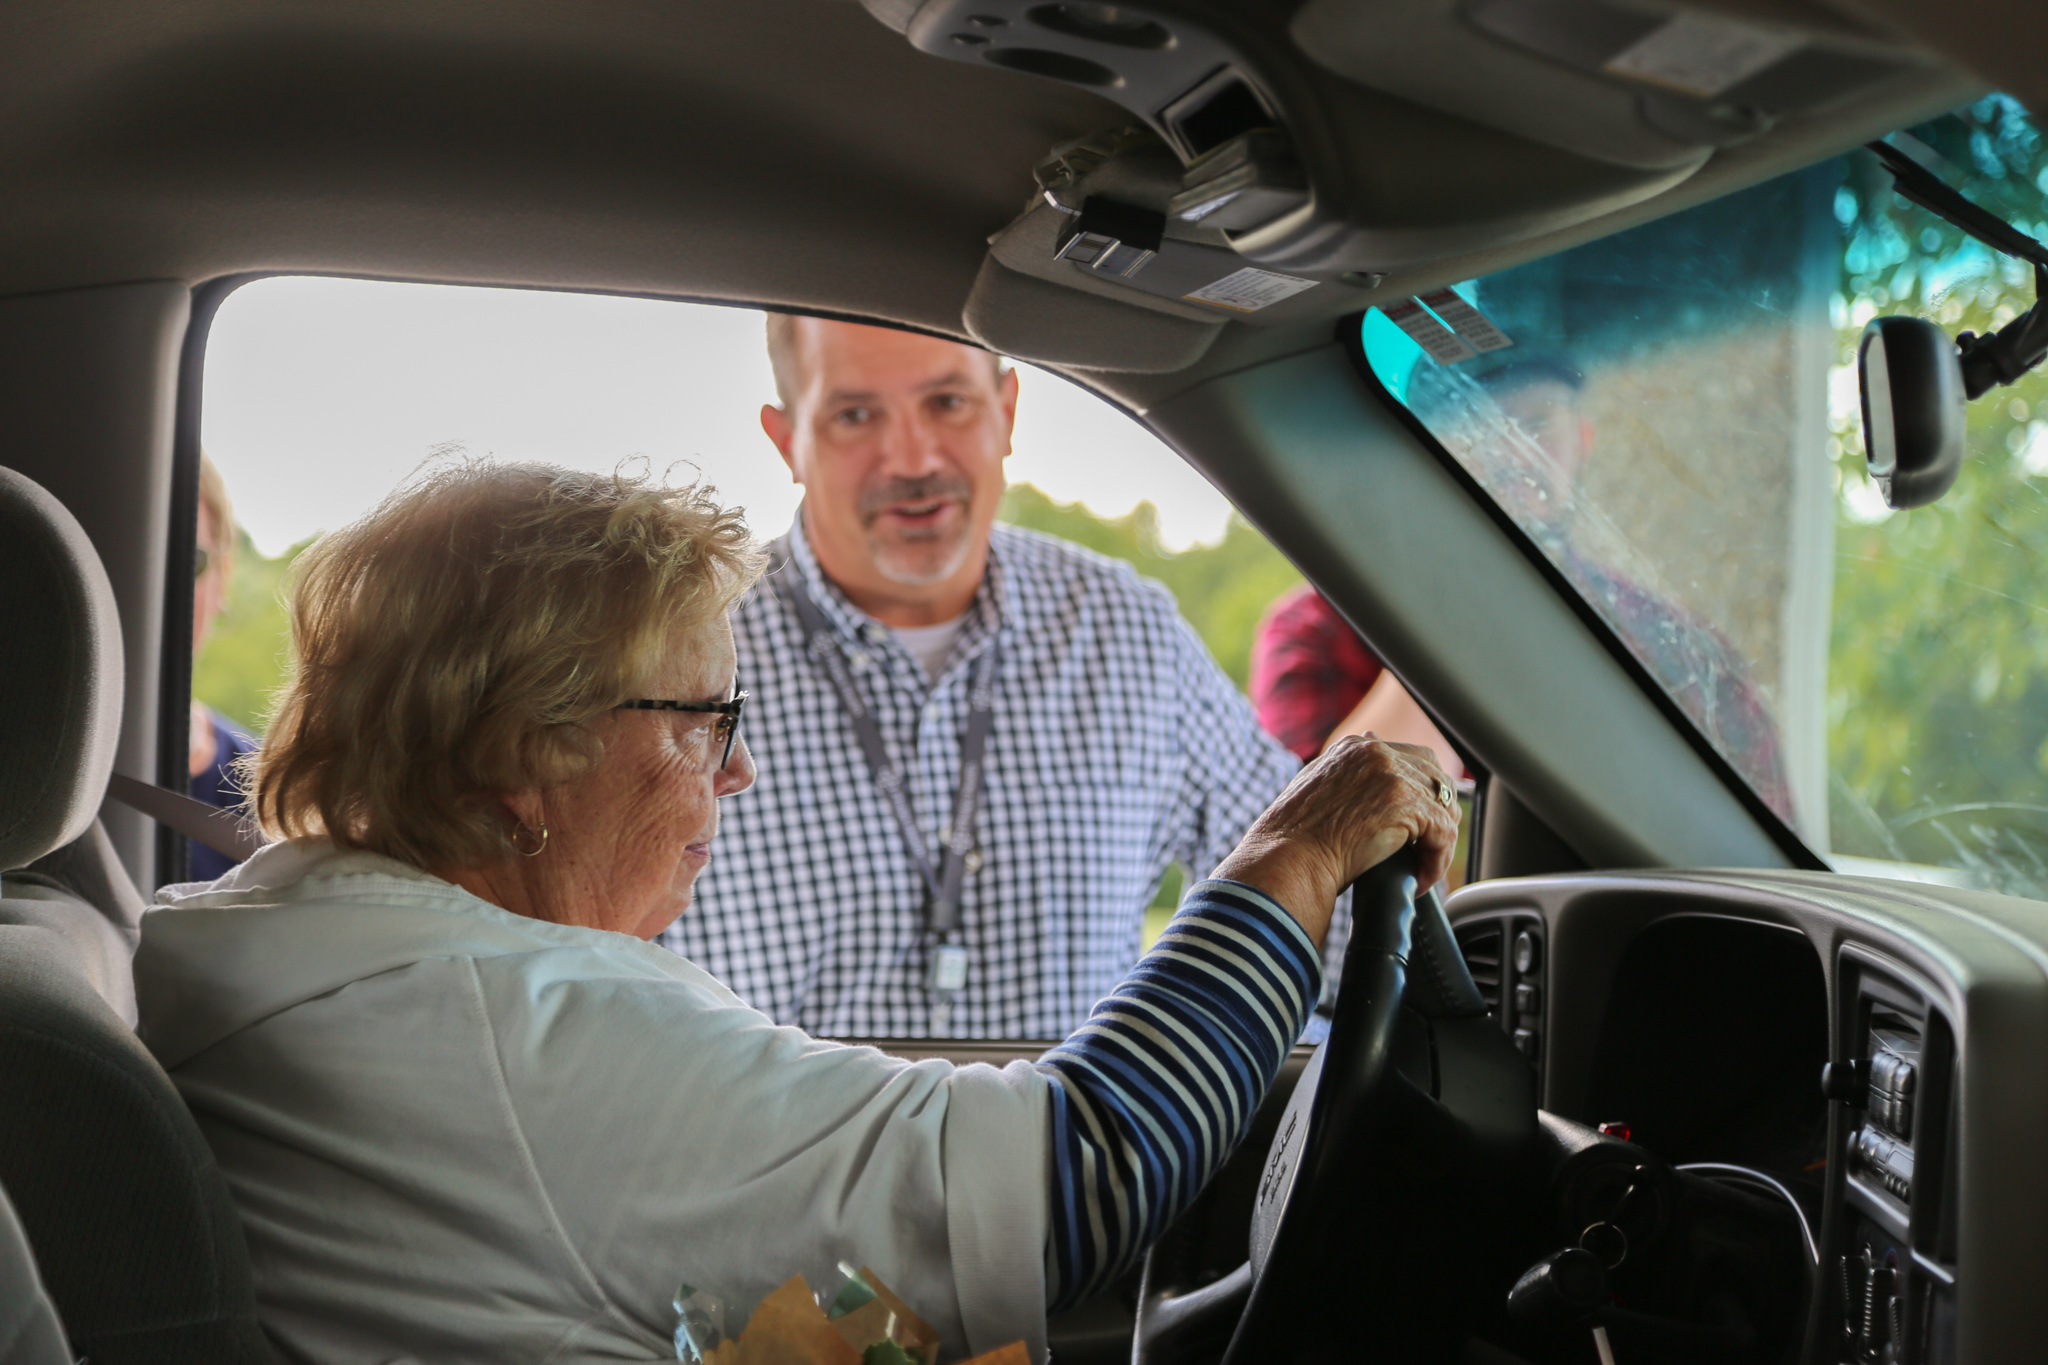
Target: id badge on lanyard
947,960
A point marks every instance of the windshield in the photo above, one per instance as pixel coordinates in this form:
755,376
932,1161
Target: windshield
1671,415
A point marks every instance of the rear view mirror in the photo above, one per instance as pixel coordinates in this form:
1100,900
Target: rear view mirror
1913,409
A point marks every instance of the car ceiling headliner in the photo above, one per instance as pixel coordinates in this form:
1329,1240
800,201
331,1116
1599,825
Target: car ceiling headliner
778,151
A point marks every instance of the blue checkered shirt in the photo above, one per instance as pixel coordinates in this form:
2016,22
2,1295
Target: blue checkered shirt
1119,748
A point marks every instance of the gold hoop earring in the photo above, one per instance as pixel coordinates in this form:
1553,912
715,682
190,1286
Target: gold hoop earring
540,841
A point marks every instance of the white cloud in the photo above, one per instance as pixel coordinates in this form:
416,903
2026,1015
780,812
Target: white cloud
322,394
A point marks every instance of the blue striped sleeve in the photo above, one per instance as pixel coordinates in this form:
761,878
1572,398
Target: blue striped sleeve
1155,1090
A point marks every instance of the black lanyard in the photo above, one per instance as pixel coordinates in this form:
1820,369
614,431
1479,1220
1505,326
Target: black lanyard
944,882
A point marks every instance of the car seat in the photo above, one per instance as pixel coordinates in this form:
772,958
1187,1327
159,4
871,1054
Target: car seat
123,1206
29,1332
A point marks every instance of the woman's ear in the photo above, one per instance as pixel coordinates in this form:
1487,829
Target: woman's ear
527,807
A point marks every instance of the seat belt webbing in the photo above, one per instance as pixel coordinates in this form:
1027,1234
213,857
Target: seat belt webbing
203,824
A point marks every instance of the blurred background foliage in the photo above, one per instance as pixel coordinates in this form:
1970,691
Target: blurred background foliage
1938,661
1223,589
244,657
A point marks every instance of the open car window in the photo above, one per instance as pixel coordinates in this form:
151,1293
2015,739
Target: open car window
1671,416
323,395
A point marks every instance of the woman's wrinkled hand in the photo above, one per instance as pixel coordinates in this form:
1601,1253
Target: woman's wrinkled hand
1362,800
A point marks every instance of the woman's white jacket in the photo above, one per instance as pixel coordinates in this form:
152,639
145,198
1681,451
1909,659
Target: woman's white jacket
455,1133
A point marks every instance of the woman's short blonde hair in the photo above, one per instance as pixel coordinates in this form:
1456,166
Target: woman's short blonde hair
457,643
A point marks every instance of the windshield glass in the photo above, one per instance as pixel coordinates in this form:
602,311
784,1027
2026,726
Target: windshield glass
1671,415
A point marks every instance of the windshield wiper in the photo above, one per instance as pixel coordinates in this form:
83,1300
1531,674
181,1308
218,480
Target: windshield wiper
1997,357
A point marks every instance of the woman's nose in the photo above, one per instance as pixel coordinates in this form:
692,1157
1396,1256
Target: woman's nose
738,773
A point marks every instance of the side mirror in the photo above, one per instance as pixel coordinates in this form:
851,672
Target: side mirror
1914,416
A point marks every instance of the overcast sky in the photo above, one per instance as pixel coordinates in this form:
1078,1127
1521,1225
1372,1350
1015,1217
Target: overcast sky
322,394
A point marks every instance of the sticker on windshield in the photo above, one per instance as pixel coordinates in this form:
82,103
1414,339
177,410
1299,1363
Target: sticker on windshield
1473,327
1423,328
1250,289
1700,55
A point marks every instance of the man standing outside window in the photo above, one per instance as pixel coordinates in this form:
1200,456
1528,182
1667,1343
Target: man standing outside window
912,665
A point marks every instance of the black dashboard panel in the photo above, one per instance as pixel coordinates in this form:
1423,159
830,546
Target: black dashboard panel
1879,1049
1712,1044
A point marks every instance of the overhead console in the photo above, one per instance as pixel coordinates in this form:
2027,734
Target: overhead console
1150,214
1283,166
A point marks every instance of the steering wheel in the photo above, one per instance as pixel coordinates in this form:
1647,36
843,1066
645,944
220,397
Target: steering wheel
1391,1215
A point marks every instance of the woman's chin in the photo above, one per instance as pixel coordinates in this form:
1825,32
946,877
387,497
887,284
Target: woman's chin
661,918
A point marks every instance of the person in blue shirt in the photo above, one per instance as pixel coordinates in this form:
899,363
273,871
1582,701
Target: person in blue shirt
217,742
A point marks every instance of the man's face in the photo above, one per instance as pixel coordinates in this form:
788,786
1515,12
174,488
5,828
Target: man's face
899,442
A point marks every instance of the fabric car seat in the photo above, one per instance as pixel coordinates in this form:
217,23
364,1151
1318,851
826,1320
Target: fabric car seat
123,1206
60,689
29,1331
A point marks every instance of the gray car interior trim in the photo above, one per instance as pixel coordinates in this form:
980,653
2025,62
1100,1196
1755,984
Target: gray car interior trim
87,380
788,152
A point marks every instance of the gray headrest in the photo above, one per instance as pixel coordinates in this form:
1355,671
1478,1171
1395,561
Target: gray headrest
60,674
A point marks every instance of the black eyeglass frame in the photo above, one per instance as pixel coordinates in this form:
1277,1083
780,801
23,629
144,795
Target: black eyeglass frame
728,713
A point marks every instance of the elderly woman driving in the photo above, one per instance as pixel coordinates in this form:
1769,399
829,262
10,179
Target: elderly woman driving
469,1112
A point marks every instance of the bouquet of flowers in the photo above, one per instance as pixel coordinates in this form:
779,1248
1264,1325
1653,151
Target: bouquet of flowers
864,1324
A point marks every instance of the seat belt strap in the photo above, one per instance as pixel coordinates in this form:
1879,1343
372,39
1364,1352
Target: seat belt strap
202,824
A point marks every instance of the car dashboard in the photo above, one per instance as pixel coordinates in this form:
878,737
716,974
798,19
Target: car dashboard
1874,1050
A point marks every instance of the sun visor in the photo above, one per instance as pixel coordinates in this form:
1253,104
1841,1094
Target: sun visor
1649,85
1031,319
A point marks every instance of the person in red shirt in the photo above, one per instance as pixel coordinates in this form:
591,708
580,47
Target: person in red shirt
1313,680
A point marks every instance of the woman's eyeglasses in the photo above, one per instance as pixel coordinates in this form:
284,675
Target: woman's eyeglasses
727,727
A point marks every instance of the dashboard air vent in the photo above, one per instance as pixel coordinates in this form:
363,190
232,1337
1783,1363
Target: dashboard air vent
1482,945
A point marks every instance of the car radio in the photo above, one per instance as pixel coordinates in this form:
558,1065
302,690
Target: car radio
1894,1254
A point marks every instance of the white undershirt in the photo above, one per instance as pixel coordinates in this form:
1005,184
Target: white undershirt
931,646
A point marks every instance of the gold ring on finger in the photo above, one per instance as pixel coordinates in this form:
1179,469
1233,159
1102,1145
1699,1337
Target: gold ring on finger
1447,794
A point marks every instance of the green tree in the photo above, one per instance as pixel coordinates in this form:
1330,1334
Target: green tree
244,659
1222,589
